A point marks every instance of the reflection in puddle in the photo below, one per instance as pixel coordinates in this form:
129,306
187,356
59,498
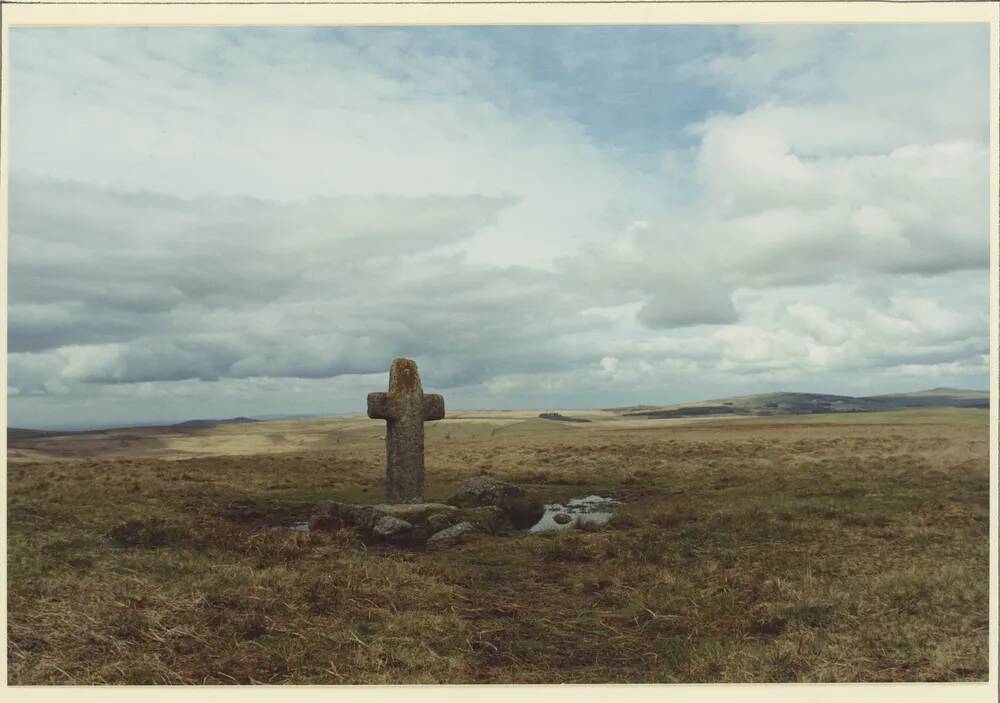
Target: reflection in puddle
294,527
594,510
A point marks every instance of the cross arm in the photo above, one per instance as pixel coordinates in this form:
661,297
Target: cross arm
433,408
378,406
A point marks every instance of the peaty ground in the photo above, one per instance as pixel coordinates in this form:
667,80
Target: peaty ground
846,548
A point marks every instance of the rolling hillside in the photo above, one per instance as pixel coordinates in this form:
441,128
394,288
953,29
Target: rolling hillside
815,403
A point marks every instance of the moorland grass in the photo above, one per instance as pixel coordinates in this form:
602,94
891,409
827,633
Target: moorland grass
744,552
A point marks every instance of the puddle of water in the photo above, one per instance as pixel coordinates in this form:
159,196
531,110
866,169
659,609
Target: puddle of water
595,510
294,527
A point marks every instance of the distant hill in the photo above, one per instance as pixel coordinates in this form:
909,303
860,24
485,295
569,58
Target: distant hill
287,417
815,403
213,423
19,433
146,424
632,408
935,398
748,405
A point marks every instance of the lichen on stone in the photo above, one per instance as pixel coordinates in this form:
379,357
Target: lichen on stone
403,377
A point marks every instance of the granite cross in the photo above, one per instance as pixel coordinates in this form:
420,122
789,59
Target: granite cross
405,408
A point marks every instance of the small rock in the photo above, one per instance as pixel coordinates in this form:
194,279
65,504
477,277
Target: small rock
524,511
439,521
563,518
484,490
521,509
335,515
388,526
450,535
413,511
410,522
490,519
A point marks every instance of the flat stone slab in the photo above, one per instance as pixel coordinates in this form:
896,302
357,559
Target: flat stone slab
334,515
411,523
388,527
413,511
483,504
451,535
368,515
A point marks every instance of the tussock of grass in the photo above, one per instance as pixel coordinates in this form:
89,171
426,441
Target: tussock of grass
743,552
139,533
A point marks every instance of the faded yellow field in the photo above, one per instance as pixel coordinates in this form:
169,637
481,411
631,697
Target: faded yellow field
241,439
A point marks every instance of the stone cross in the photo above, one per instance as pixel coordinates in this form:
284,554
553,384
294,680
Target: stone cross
406,408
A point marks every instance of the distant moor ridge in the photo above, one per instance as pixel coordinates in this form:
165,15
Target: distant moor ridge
814,404
750,405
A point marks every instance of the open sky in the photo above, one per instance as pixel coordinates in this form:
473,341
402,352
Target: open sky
220,222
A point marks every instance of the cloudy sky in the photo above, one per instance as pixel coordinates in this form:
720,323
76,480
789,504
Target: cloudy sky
219,222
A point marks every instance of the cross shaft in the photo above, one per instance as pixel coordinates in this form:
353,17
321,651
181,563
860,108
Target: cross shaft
405,408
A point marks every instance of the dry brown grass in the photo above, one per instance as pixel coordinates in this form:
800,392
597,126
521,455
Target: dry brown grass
746,551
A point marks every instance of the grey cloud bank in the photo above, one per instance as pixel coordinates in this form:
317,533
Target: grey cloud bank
253,222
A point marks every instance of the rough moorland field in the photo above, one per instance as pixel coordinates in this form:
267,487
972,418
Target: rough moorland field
825,548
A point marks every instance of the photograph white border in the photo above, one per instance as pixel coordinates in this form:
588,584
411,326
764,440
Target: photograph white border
184,13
